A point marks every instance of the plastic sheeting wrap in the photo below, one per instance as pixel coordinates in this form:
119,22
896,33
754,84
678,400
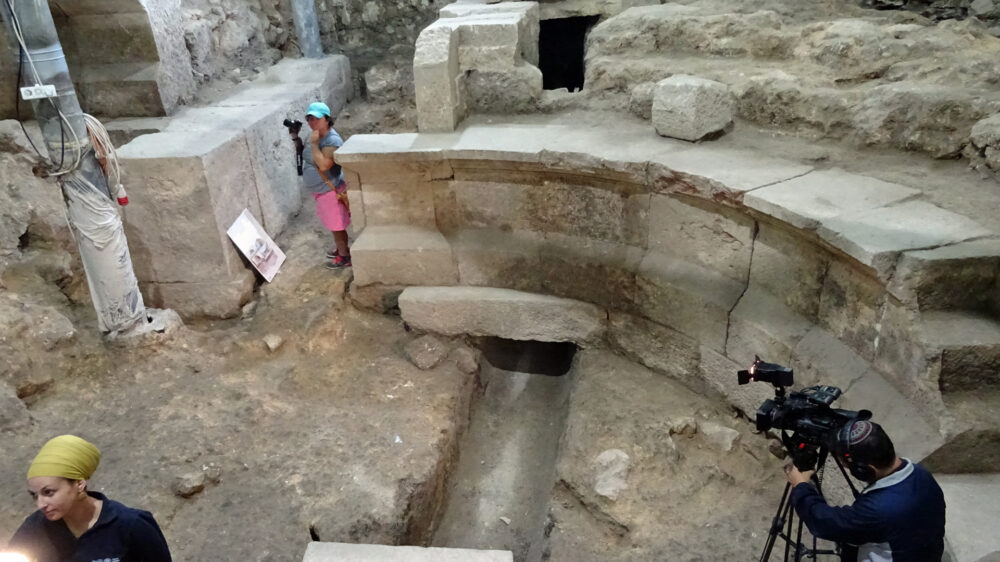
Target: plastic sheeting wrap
100,237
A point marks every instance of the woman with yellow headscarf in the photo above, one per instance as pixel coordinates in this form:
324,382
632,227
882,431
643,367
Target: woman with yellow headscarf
73,524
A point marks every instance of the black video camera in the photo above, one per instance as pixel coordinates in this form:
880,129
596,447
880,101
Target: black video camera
294,126
805,413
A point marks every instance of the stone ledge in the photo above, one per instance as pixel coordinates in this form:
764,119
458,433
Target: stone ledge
505,313
344,552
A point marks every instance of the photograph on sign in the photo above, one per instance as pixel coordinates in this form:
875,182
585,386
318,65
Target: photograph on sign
256,245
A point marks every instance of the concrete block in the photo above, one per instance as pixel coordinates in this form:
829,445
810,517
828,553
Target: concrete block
202,178
403,255
970,528
344,552
658,347
435,79
876,237
488,311
691,108
698,232
686,297
807,200
760,325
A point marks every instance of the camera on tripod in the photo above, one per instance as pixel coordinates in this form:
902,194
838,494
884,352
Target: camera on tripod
294,126
806,413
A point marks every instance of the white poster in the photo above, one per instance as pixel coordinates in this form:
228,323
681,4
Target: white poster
256,245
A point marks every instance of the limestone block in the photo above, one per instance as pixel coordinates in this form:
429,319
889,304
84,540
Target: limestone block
691,108
435,79
526,14
760,325
576,210
598,272
174,76
221,299
719,372
499,259
850,303
705,234
396,168
719,174
107,38
969,347
960,276
488,311
426,351
686,297
876,237
200,177
660,348
403,255
903,357
499,91
789,268
410,202
640,100
329,77
488,30
971,501
333,551
807,200
501,57
969,451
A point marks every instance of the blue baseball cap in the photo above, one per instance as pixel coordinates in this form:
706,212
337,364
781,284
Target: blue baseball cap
318,110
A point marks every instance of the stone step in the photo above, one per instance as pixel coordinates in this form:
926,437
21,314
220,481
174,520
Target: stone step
490,311
970,349
343,552
403,255
111,38
119,89
973,512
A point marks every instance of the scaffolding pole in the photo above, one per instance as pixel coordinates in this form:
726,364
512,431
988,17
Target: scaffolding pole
91,210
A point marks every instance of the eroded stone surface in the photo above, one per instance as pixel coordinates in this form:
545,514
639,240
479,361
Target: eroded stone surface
691,108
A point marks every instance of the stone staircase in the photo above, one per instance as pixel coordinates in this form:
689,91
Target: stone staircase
126,59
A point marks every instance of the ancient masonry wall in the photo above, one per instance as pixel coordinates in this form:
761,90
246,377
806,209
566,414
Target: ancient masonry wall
698,266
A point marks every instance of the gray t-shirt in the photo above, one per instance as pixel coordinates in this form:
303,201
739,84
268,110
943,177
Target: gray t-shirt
311,175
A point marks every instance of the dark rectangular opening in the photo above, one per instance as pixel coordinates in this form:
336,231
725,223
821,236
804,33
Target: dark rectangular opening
528,356
561,49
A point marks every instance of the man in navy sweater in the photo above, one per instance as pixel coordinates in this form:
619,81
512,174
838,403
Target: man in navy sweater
898,517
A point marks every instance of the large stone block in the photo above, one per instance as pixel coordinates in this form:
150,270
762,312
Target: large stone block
436,79
660,348
961,276
789,268
340,552
970,350
488,311
403,255
201,178
691,108
850,306
409,202
219,299
499,259
694,231
687,297
173,69
598,272
719,372
760,325
502,91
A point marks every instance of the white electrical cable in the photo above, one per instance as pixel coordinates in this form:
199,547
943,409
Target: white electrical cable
16,25
104,148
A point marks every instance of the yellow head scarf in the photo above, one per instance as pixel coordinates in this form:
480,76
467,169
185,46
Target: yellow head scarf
66,456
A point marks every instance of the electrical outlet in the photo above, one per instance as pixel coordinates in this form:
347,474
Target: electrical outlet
38,92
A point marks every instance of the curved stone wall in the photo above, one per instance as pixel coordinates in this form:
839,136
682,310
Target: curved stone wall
702,258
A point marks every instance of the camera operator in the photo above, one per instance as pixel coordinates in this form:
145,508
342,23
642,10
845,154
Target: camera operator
899,516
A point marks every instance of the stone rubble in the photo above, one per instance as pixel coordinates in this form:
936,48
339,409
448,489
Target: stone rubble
426,351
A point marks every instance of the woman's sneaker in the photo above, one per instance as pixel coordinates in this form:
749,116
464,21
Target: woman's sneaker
339,262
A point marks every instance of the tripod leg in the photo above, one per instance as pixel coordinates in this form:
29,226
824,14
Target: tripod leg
788,532
776,525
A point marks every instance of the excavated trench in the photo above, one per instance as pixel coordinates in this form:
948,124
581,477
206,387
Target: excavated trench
499,493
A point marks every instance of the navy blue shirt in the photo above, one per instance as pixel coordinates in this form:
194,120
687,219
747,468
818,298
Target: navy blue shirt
121,534
899,518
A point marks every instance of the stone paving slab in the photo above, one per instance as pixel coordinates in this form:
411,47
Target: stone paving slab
874,237
344,552
807,200
973,512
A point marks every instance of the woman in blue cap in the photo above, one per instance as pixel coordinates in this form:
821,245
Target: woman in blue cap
324,178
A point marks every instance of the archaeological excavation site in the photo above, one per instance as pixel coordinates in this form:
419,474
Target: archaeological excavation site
562,229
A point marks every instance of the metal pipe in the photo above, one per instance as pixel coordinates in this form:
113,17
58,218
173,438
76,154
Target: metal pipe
307,28
91,211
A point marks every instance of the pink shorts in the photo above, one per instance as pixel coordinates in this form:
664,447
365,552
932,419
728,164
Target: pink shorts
331,212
